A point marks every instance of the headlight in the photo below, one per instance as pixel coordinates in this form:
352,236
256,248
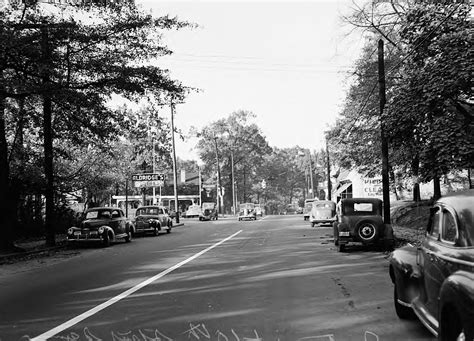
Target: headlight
70,230
101,230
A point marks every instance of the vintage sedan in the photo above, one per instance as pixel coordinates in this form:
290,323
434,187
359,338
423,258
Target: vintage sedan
308,205
104,225
247,211
435,281
208,211
359,220
152,219
322,212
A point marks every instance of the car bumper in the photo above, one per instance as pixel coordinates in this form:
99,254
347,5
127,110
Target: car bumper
322,221
84,238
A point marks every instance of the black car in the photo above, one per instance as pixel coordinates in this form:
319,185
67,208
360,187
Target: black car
435,281
102,224
359,220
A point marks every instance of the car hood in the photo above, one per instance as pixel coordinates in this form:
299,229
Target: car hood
147,216
93,223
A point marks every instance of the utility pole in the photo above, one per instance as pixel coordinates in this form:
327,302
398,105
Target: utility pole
385,178
311,175
219,188
328,170
175,171
233,180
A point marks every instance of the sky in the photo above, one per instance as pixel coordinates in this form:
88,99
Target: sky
286,61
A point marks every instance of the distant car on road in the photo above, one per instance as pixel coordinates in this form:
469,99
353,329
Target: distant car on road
208,211
152,219
322,212
308,205
435,281
102,224
247,212
193,211
359,220
259,211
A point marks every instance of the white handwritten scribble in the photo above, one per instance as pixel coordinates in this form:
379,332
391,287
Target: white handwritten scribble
371,334
197,331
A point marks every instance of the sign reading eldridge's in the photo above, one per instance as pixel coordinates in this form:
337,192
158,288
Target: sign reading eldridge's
148,179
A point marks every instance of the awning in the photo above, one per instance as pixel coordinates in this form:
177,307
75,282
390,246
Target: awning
343,187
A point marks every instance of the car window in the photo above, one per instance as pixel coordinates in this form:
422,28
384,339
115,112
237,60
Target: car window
104,214
115,214
433,227
92,214
160,211
449,231
362,207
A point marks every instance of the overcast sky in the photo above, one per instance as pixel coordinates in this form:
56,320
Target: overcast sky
285,61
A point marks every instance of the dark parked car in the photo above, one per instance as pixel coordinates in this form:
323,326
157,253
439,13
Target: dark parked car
208,211
102,224
359,220
435,281
152,219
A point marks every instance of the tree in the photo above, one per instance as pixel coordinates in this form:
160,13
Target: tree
60,60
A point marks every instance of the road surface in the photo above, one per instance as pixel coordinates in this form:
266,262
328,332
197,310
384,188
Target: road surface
271,279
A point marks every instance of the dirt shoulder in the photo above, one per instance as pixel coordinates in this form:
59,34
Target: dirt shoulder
409,221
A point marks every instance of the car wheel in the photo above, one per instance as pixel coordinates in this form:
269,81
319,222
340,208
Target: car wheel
452,327
341,247
313,224
336,235
367,232
106,240
168,231
156,232
403,312
128,237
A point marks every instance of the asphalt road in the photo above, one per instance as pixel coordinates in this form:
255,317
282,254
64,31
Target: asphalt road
271,279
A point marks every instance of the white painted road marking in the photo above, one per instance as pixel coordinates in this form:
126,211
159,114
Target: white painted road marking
95,310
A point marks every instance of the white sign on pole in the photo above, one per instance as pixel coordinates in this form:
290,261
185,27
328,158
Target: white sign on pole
148,180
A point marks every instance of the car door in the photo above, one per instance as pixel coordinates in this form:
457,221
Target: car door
425,258
118,222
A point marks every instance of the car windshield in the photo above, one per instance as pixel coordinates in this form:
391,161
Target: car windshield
323,205
98,214
246,206
147,210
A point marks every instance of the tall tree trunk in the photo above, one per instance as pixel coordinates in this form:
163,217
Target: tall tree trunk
48,142
415,166
469,178
436,188
6,223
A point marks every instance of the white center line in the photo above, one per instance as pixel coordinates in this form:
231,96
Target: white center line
95,310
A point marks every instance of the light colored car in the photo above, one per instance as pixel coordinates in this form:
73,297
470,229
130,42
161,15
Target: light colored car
322,212
153,219
259,211
308,205
193,211
247,212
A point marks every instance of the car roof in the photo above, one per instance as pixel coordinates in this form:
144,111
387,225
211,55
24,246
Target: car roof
459,200
150,206
102,208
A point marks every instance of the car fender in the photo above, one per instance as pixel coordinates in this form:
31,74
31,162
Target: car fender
109,231
457,292
405,273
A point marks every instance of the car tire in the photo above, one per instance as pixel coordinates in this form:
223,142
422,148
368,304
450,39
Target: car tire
128,238
106,240
313,224
367,232
156,231
452,327
404,313
341,247
336,234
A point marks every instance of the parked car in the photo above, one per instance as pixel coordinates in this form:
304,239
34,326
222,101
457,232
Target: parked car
259,211
104,225
152,219
208,211
359,220
435,281
322,212
308,205
193,211
247,212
